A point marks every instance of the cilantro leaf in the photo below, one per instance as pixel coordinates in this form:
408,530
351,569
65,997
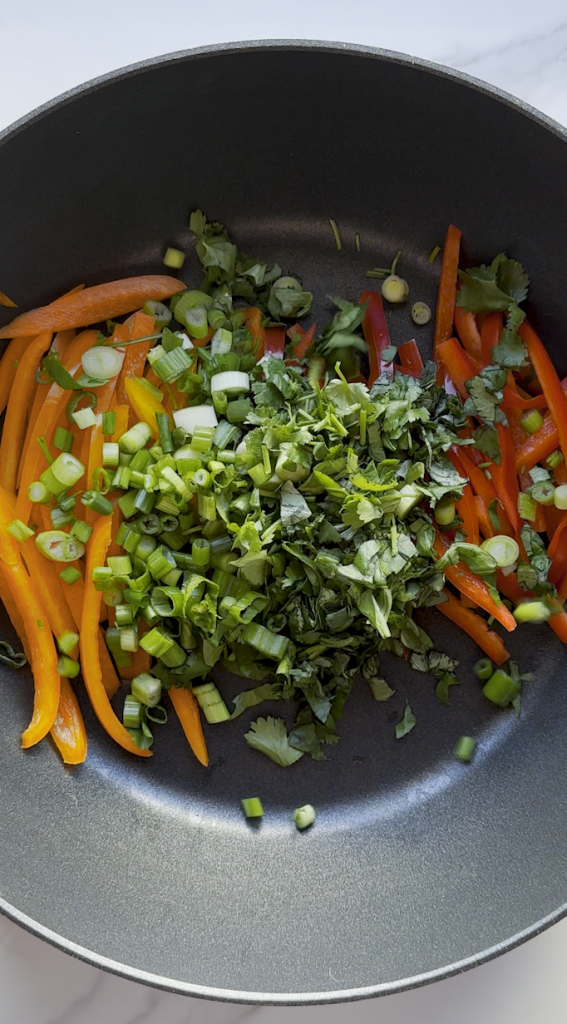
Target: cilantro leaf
257,695
492,287
486,440
493,516
511,351
380,688
407,723
269,736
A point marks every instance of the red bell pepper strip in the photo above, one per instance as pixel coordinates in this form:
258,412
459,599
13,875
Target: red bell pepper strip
461,367
375,332
253,321
465,507
301,340
504,477
491,329
410,357
542,443
476,589
468,332
483,487
512,590
447,290
476,627
274,342
486,527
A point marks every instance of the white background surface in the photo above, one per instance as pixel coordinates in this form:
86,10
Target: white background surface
49,46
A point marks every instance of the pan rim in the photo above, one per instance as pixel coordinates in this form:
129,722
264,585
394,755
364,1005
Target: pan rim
54,938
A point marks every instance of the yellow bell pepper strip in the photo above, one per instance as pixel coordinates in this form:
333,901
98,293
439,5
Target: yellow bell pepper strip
68,731
143,403
49,589
121,424
55,402
14,613
187,711
42,648
97,548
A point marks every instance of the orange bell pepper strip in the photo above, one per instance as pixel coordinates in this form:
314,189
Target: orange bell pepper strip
91,305
56,400
110,678
461,367
549,380
466,508
375,330
476,589
476,627
504,477
187,711
59,346
492,327
40,640
5,301
143,403
410,357
139,325
8,366
447,291
483,487
68,731
19,404
97,548
253,321
121,422
485,526
468,332
13,613
537,446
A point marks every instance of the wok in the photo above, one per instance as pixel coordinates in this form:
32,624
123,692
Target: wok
418,866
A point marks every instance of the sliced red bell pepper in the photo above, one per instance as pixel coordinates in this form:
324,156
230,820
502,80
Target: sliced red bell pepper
465,507
447,290
476,627
375,332
540,444
410,357
476,589
490,332
485,526
483,487
504,477
461,367
511,589
274,342
550,383
468,332
300,339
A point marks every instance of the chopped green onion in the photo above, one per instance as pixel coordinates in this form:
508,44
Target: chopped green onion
101,573
272,645
394,289
73,403
132,713
43,445
555,459
206,506
195,416
420,313
168,523
531,421
136,479
174,656
501,688
132,539
164,427
140,460
59,546
108,423
464,749
59,517
111,453
169,602
84,418
434,253
483,668
304,816
129,639
252,807
160,313
231,382
258,474
196,321
122,478
67,641
156,642
68,667
147,689
200,552
102,362
527,506
70,575
543,492
178,483
444,512
19,530
125,459
38,492
67,469
112,596
145,546
54,367
532,611
160,562
150,523
126,504
121,565
135,438
101,480
51,482
211,703
237,411
336,235
560,497
174,259
158,714
144,501
504,550
172,365
63,439
97,502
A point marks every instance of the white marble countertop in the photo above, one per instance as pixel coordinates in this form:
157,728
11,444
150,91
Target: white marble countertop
48,47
